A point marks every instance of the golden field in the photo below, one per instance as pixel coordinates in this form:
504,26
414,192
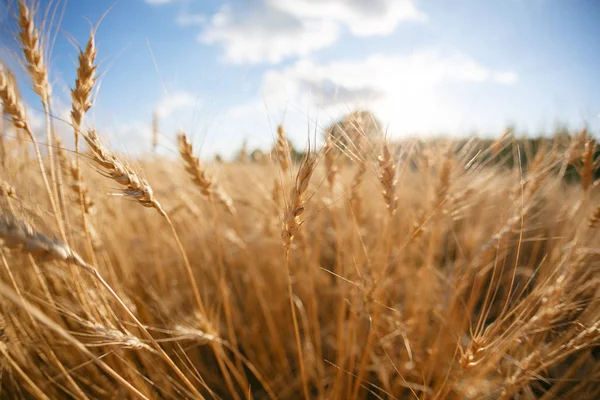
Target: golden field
368,269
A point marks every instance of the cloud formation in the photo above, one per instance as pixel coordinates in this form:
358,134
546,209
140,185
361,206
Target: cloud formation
403,89
362,18
175,101
266,34
273,30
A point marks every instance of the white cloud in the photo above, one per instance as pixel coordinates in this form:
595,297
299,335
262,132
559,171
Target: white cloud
129,135
267,35
273,30
175,101
363,18
403,90
506,78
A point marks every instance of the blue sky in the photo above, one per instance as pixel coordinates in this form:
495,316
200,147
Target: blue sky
225,70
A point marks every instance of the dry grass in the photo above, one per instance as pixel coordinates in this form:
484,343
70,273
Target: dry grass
415,270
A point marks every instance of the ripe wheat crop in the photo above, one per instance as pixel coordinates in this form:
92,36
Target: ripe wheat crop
367,269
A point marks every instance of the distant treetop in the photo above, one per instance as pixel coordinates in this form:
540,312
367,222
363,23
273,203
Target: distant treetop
355,127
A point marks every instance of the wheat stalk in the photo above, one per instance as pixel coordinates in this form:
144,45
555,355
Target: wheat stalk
500,143
444,184
13,106
290,224
209,188
586,171
39,393
16,234
81,102
77,185
139,190
41,317
32,49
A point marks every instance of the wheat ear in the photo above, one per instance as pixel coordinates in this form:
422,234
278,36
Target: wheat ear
81,102
200,176
139,190
110,166
33,51
387,177
18,235
290,224
7,190
355,198
329,155
587,169
13,106
77,185
81,94
296,202
41,317
11,100
283,150
594,218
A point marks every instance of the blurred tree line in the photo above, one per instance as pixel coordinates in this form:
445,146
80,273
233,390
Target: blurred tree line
358,127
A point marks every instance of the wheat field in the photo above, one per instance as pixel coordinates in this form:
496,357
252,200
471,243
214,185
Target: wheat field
367,269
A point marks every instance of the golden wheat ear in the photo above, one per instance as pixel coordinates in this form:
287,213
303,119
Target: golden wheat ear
387,177
81,94
110,166
13,106
282,149
32,49
11,100
207,184
330,165
36,313
18,235
296,201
